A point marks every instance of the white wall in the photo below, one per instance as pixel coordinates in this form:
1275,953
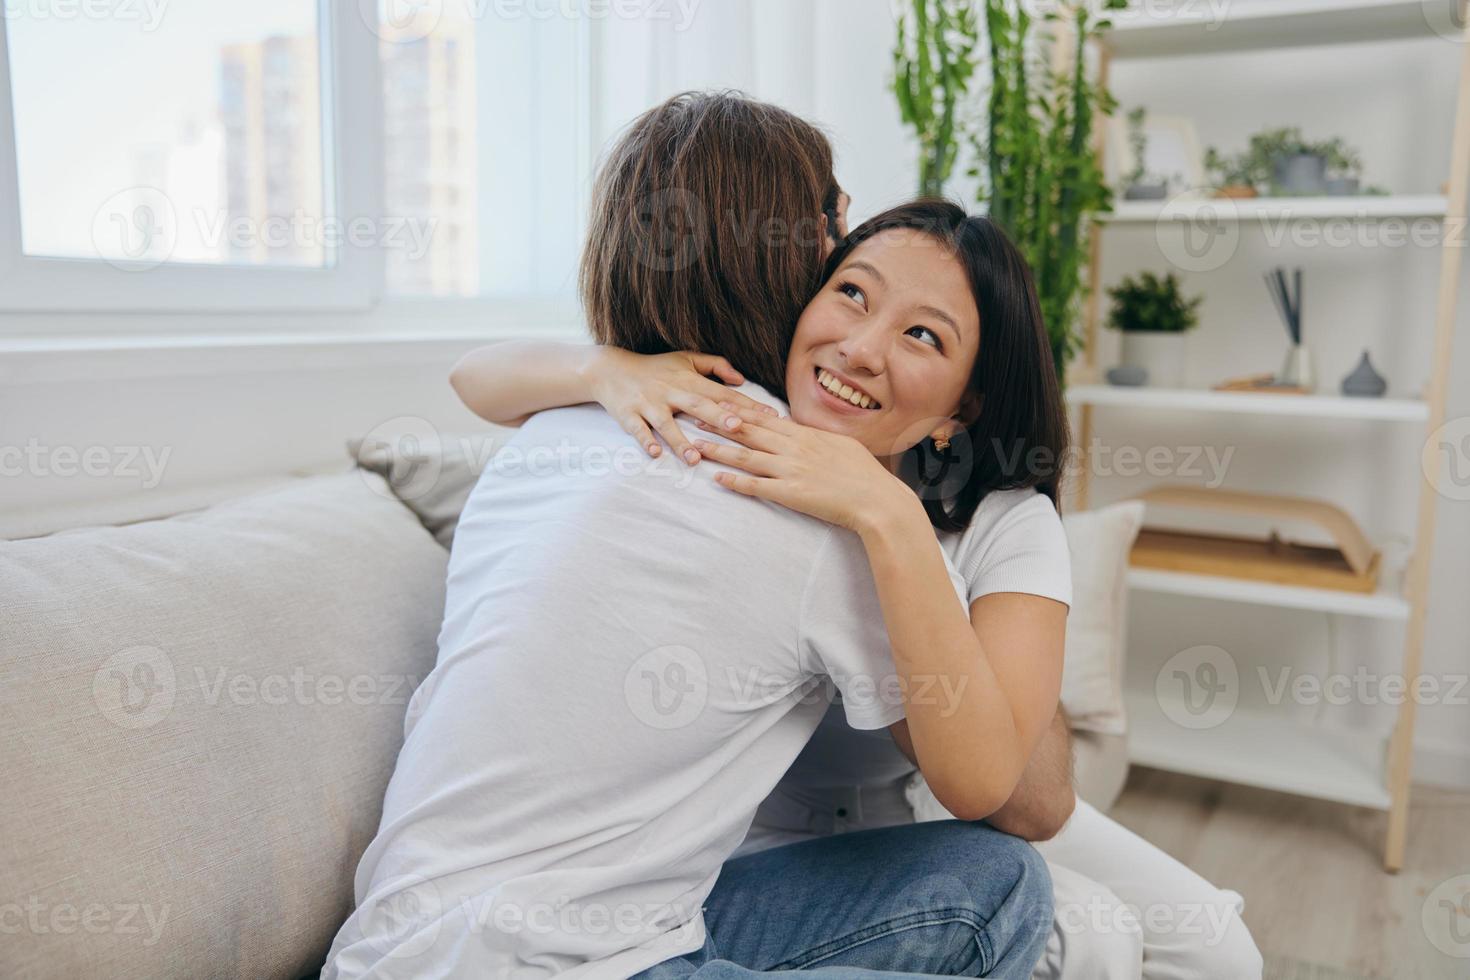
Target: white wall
228,414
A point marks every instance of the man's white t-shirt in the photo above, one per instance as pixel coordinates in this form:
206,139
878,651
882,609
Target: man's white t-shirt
631,657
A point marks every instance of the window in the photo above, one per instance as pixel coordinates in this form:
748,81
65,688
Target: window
197,139
183,156
485,150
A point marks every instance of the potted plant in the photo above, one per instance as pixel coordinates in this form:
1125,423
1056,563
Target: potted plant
1295,166
1234,176
1153,316
1344,168
933,61
1140,185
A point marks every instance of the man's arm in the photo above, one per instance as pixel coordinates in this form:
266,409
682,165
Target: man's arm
1044,799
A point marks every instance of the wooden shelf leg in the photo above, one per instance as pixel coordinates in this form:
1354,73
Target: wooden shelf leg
1401,750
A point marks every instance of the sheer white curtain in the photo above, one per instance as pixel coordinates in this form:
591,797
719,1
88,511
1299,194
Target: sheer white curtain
567,86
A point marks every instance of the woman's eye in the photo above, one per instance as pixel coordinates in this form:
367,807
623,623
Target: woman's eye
852,292
927,336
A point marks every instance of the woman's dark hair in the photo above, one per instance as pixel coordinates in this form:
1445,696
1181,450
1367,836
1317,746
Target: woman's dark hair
705,232
1019,436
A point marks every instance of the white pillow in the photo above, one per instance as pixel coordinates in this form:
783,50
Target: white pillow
1092,673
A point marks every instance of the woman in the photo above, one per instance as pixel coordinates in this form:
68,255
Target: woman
876,342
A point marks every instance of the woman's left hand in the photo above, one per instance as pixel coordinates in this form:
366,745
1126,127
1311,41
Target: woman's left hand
828,476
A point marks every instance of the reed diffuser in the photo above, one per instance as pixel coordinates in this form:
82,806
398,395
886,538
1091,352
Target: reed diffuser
1296,370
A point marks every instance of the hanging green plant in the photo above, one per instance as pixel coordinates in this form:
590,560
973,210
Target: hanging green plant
933,61
1040,173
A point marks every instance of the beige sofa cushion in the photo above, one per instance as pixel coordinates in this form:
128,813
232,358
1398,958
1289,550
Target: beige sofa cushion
431,472
200,716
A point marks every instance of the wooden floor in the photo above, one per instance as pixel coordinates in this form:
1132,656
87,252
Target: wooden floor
1317,899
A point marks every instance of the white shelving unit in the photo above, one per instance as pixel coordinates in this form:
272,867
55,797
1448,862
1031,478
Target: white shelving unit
1251,403
1255,747
1376,605
1359,208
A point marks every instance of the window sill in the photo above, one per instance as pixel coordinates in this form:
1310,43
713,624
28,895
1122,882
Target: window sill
50,350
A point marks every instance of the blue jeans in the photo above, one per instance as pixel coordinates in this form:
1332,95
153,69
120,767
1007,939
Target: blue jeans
946,898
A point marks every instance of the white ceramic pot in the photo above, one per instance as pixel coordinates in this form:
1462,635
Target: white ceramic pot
1161,354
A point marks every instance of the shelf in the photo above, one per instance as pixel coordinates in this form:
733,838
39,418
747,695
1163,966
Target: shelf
1354,207
1253,748
1371,605
1250,403
1198,28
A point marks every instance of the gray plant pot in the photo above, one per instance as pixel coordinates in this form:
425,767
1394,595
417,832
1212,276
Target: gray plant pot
1342,186
1127,376
1301,173
1145,192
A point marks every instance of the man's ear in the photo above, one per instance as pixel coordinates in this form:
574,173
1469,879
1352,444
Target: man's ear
829,244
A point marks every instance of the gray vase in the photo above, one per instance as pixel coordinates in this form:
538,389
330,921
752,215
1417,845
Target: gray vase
1342,186
1363,381
1145,192
1301,173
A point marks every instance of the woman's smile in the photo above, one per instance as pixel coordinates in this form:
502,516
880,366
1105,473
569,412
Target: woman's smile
840,393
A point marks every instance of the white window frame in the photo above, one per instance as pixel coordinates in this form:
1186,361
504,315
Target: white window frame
352,134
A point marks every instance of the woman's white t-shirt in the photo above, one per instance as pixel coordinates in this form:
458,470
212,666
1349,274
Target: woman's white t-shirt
1015,543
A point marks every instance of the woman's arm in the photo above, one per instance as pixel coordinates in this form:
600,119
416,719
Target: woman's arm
507,383
959,693
990,704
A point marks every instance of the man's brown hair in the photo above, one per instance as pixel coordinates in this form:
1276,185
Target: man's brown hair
705,232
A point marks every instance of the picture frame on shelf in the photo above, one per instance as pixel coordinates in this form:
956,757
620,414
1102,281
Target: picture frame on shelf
1172,148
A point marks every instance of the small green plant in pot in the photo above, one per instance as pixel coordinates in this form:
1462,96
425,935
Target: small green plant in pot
1344,168
1138,183
1153,315
1237,175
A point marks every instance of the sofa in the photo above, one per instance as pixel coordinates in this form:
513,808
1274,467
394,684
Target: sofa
201,714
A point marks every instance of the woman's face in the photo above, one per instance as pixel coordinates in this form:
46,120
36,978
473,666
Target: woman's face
897,327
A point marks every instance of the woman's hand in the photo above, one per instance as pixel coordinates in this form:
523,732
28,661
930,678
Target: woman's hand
825,475
644,391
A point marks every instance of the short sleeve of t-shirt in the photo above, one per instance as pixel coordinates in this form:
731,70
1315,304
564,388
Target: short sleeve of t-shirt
843,634
1015,543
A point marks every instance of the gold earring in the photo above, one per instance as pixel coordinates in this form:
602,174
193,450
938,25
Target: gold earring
941,443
